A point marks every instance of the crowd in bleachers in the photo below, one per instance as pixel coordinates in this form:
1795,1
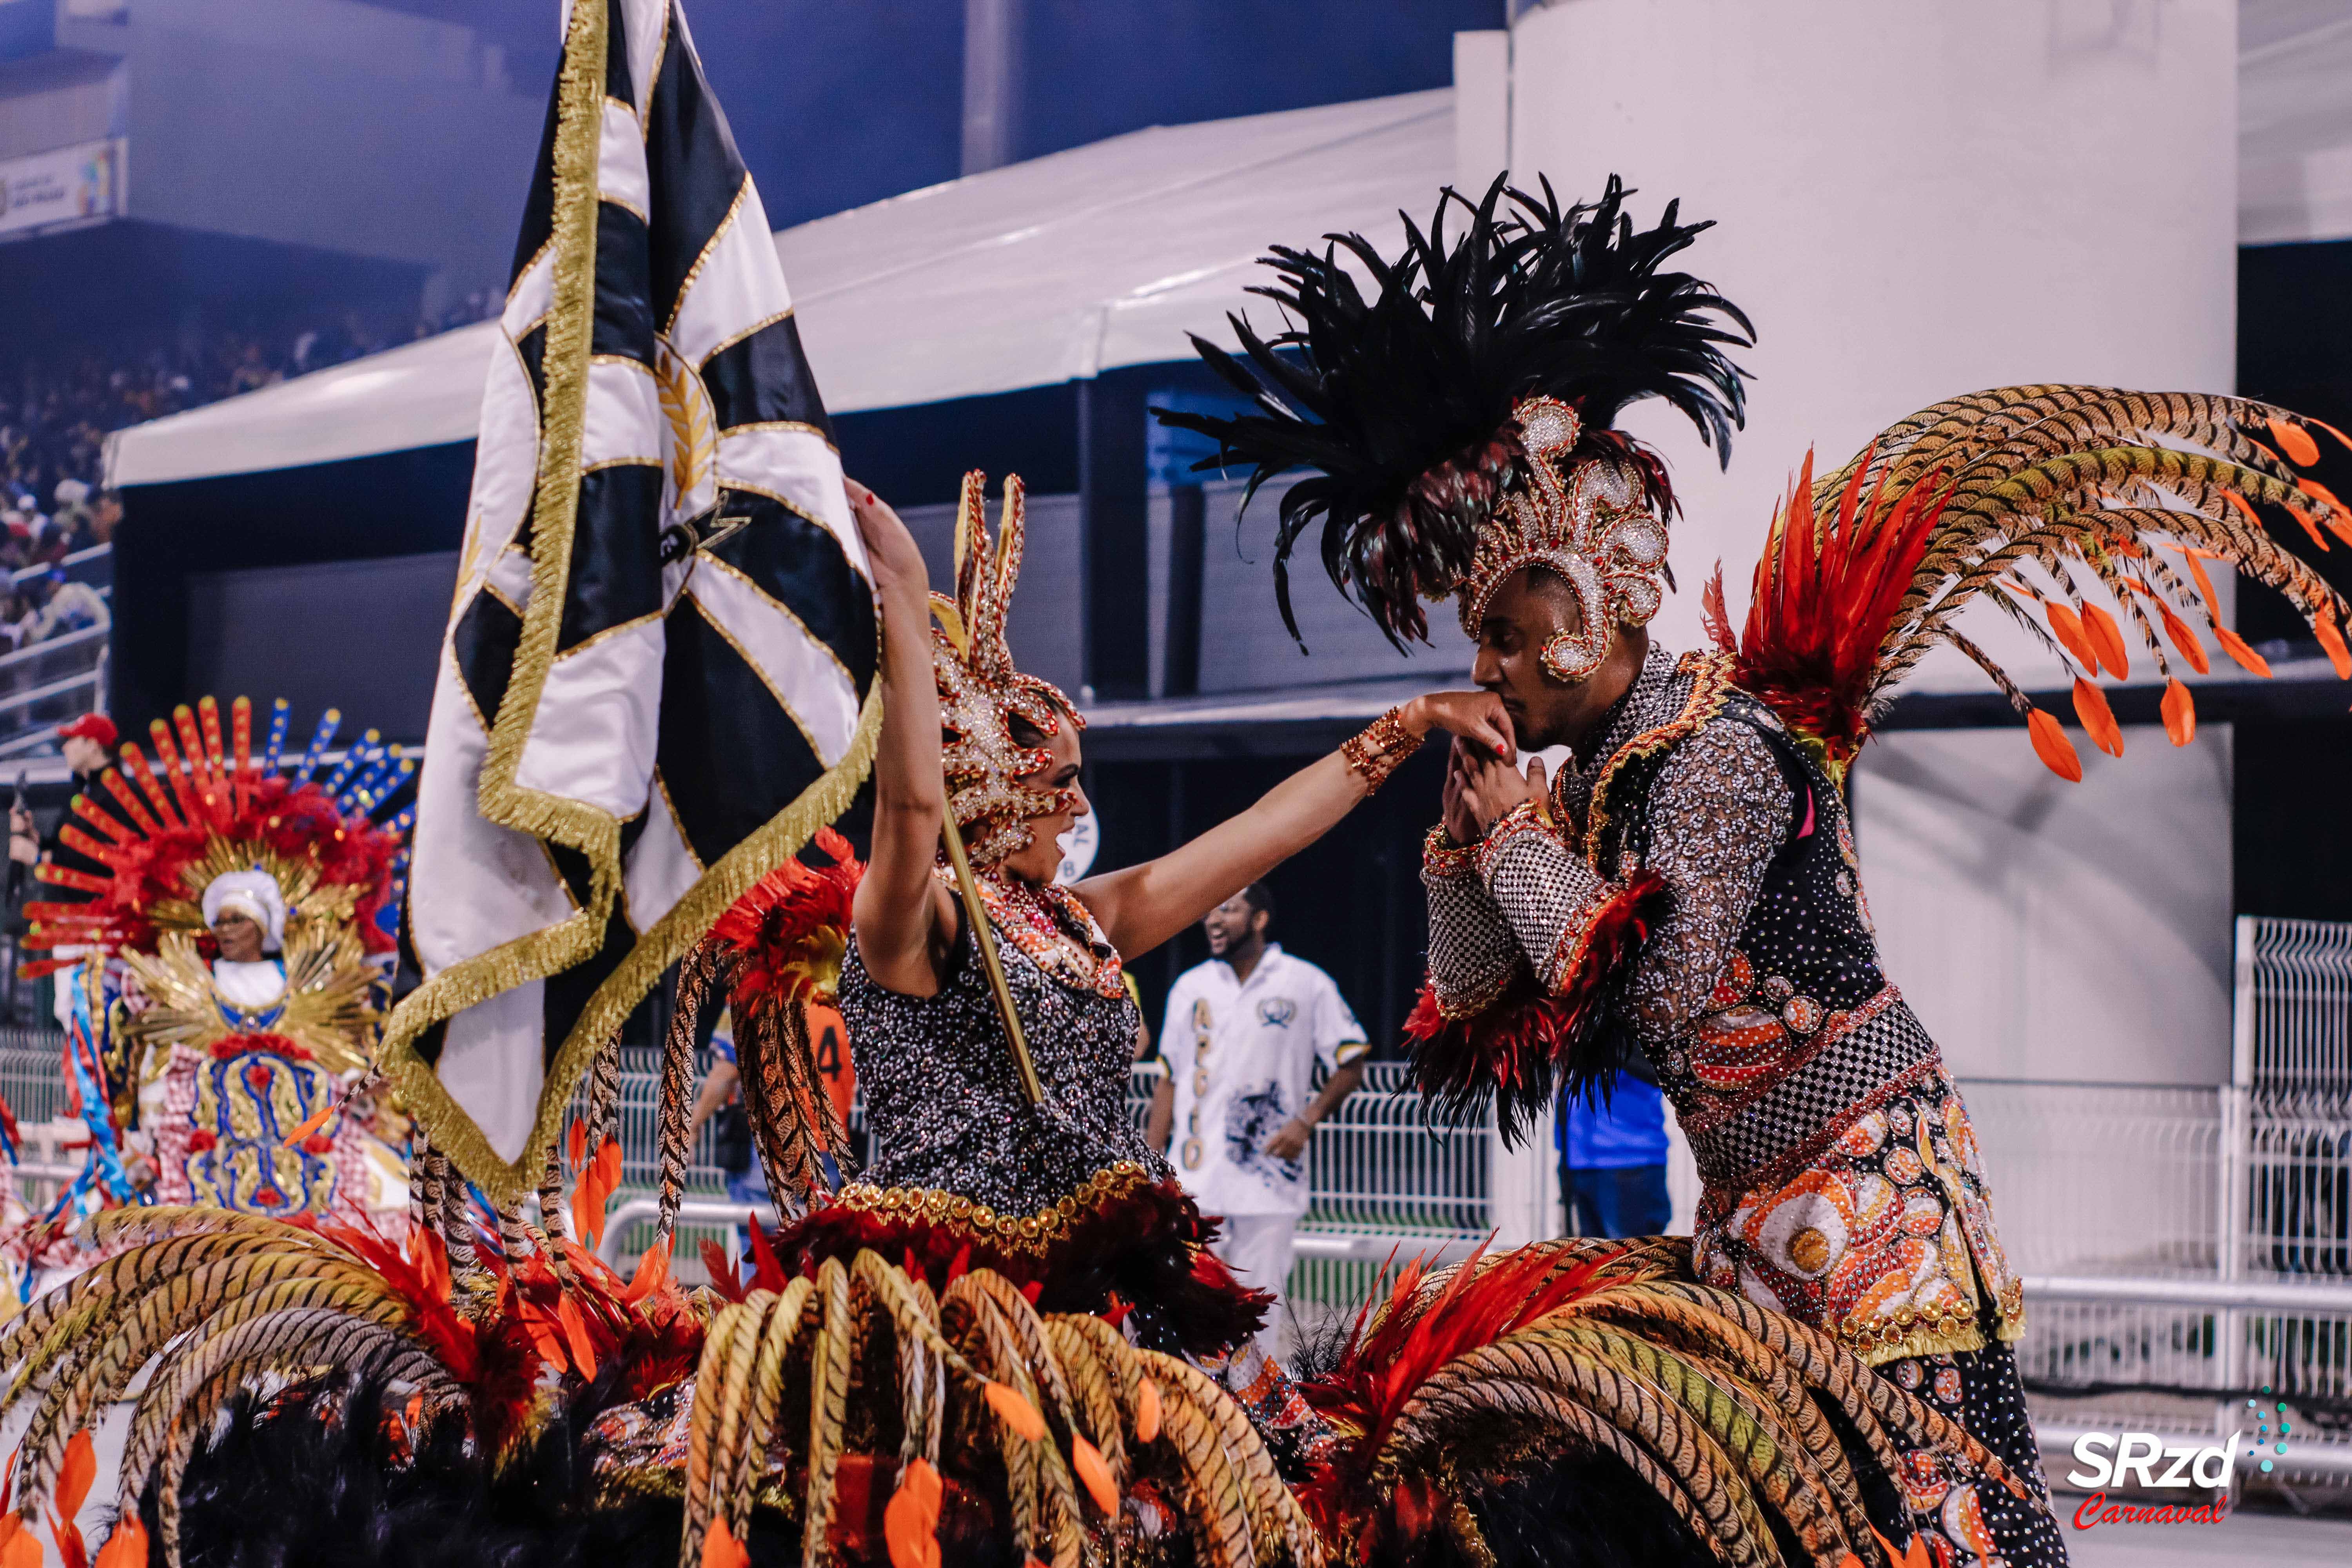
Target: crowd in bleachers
57,410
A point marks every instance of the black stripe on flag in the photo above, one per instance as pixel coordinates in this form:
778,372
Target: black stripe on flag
625,321
800,564
696,172
538,203
762,378
484,648
730,757
617,573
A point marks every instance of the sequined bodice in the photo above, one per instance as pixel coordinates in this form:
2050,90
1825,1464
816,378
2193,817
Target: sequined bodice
943,1099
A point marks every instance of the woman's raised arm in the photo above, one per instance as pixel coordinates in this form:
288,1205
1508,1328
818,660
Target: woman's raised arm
900,913
1140,907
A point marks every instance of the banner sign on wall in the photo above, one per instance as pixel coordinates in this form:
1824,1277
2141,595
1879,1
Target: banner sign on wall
66,184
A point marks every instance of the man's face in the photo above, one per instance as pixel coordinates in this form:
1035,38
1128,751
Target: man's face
239,937
84,755
1231,924
1524,614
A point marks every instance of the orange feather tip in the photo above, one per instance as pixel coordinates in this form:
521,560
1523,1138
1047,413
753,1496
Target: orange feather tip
653,1272
19,1548
2323,626
1013,1408
310,1124
74,1475
126,1547
1147,1411
2068,628
2180,714
721,1549
911,1521
2108,638
1094,1473
575,1143
2050,743
2294,441
2182,637
2098,719
2238,648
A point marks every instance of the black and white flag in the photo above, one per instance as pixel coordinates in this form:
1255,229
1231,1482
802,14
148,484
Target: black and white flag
658,676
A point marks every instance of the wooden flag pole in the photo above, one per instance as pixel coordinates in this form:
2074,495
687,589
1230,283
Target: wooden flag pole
984,937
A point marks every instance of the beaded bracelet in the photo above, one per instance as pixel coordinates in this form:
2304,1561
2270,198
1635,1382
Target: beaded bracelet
1381,749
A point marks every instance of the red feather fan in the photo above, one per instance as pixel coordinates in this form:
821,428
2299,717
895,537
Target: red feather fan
1825,600
1383,1370
790,931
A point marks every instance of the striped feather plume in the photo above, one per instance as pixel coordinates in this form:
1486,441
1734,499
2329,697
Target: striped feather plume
775,951
215,1302
1727,1413
933,1386
2029,497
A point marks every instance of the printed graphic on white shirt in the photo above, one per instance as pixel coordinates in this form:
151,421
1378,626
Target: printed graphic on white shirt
1242,1058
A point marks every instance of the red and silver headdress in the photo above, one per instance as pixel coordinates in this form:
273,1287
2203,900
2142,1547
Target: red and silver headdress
981,692
1460,412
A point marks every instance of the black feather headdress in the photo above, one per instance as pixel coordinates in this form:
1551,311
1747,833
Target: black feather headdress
1402,401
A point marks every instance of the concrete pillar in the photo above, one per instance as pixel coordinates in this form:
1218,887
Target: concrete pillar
1917,200
1913,200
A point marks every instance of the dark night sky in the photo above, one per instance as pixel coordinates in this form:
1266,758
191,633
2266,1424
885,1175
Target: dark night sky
838,104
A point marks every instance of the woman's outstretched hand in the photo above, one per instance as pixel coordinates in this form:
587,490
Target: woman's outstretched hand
898,564
1476,717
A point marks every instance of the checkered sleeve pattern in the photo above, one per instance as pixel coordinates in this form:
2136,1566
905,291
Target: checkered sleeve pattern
1546,893
1473,955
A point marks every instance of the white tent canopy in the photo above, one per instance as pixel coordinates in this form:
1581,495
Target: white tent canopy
1027,276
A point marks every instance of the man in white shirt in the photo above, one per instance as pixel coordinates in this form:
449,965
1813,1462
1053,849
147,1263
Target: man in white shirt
1243,1035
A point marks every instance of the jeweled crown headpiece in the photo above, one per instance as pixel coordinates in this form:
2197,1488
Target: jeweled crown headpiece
1460,412
981,692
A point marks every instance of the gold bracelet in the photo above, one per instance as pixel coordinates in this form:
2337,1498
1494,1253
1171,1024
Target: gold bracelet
1381,749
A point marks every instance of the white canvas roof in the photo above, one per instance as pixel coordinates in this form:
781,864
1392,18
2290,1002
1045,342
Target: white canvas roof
1027,276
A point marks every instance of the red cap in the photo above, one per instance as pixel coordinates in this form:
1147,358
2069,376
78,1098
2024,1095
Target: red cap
91,727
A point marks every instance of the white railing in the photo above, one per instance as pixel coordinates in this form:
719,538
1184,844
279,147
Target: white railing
66,675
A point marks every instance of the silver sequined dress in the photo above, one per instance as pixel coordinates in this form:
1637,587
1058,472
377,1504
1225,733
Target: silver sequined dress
943,1099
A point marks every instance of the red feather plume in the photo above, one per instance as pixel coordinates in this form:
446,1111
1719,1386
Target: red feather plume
788,935
1825,600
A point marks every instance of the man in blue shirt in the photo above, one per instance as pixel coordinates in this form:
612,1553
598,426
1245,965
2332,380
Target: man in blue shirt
1612,1161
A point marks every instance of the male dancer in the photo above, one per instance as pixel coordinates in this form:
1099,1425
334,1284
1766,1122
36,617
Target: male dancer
1687,887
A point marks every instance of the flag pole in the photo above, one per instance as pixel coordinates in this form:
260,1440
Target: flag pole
975,915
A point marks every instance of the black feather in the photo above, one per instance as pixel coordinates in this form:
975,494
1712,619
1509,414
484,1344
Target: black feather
1401,403
313,1477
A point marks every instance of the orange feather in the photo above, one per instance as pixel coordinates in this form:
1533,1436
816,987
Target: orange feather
1088,1461
910,1523
2295,442
19,1547
310,1124
1147,1411
74,1475
2179,631
2180,714
2068,627
653,1272
126,1547
2323,626
2237,648
721,1549
2050,743
2098,719
1014,1410
575,1142
2108,638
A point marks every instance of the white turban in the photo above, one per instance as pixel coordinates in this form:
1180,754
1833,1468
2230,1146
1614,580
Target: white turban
255,896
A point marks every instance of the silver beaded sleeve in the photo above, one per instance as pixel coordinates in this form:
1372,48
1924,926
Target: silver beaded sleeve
1473,955
1719,811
